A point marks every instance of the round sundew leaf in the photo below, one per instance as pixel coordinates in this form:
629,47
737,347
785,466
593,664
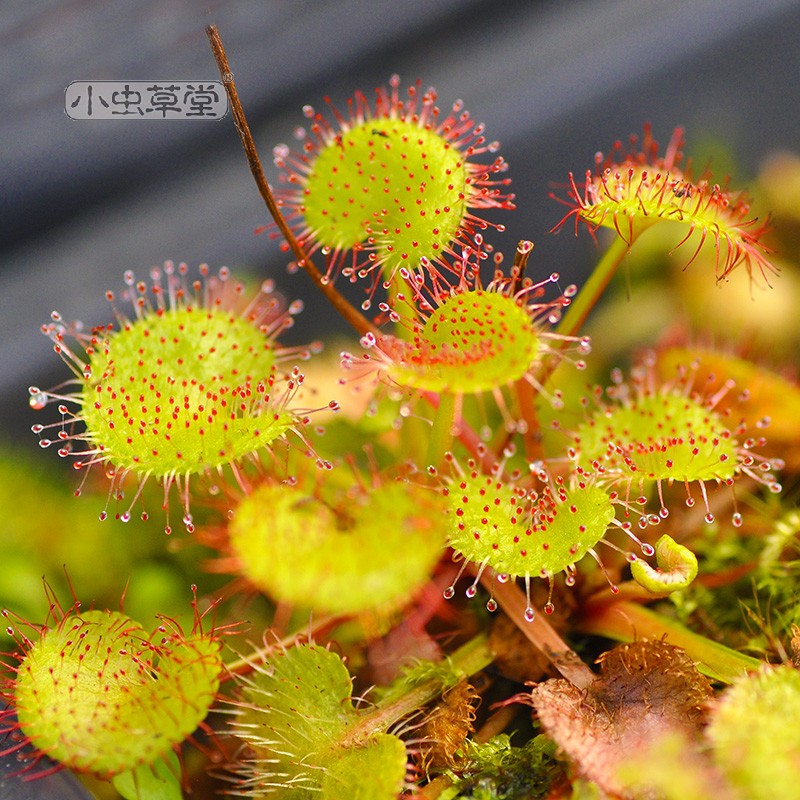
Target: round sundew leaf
300,704
755,736
569,528
769,394
182,391
632,199
390,183
513,534
203,345
614,201
372,549
188,679
375,771
298,717
473,342
97,696
662,436
630,192
345,199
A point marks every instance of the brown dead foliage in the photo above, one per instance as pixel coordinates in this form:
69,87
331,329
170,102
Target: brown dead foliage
645,689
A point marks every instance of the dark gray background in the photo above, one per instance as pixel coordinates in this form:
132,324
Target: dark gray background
555,82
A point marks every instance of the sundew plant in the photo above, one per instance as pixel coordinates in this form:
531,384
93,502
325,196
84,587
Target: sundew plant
492,546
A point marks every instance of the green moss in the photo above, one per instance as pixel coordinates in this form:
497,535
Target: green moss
497,770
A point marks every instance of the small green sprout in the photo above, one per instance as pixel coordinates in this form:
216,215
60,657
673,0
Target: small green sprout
677,568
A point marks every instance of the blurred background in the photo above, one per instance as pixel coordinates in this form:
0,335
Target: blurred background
554,81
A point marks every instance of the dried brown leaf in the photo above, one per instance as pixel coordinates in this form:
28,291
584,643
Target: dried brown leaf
646,689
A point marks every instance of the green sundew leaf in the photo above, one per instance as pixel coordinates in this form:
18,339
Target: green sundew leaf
660,436
473,342
677,568
375,771
345,201
297,709
298,718
196,387
497,524
755,734
302,700
98,695
352,552
159,781
631,192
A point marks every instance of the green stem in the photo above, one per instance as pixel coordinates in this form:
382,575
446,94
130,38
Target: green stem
594,287
470,658
627,621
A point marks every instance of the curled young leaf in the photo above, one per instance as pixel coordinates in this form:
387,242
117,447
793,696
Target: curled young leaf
677,568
